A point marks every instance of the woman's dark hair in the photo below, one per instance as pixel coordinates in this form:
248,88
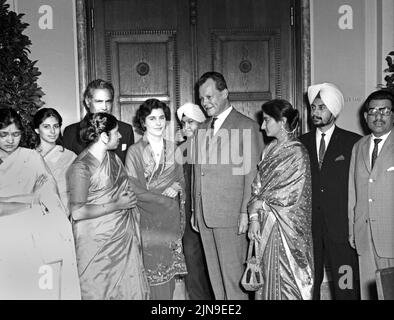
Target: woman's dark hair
9,116
40,117
279,108
95,124
145,110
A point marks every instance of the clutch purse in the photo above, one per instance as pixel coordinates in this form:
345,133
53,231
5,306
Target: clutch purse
252,279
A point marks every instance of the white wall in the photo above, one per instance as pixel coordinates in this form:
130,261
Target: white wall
351,58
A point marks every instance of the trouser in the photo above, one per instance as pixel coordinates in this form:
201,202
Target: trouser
342,260
197,281
225,252
370,262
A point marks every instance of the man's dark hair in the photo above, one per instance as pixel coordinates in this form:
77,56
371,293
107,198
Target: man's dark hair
97,84
220,82
378,95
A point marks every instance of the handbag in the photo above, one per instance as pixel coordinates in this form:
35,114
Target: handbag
252,279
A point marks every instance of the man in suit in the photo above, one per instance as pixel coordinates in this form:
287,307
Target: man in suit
371,190
229,145
330,149
98,97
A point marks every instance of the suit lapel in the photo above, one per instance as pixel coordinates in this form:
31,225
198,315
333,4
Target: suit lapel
365,153
387,149
333,146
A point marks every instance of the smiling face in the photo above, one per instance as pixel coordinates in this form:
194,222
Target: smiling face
101,101
189,126
49,130
271,127
10,137
213,100
379,123
155,123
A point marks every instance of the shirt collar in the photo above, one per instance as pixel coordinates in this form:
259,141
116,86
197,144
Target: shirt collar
383,137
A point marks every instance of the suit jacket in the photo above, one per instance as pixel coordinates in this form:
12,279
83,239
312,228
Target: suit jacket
72,139
223,185
371,197
330,184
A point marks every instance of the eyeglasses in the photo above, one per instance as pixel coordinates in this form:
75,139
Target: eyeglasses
386,111
14,134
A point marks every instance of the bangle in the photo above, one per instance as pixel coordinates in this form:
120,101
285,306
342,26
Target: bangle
253,215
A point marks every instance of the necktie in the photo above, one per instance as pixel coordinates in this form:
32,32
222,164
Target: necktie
213,122
375,152
322,150
212,126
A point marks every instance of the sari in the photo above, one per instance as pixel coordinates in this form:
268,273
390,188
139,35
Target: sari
108,248
283,182
162,218
37,253
59,160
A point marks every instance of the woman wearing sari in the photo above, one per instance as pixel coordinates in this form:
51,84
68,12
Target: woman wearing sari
105,219
155,169
37,254
280,209
47,123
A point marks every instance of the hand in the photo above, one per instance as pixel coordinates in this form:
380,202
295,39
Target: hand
352,241
243,223
170,192
179,136
40,182
254,230
126,200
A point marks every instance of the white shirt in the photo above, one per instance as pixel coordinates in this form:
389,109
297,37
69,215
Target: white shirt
380,145
220,119
327,138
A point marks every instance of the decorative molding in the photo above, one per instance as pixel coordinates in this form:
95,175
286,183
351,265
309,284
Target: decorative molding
82,50
271,35
306,64
113,38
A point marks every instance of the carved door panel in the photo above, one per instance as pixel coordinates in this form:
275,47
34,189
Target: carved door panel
249,42
159,48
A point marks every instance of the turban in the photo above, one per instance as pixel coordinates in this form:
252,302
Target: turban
192,111
329,94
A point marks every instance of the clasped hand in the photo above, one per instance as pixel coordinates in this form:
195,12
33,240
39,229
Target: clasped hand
127,200
173,190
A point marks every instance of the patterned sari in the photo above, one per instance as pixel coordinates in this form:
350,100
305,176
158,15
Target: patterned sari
108,248
37,253
283,181
162,218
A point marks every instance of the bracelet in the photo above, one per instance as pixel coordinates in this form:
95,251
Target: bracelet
253,215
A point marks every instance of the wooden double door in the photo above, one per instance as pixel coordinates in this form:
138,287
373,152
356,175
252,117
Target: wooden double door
159,48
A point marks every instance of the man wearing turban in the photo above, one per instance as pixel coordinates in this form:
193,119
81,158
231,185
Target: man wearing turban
330,149
197,280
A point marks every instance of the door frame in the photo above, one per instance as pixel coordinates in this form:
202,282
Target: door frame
301,44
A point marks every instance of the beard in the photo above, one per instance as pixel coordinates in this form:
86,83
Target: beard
319,122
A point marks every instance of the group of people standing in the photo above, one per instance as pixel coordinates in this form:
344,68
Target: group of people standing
115,219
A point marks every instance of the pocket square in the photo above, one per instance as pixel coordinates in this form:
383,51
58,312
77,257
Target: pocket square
390,169
340,158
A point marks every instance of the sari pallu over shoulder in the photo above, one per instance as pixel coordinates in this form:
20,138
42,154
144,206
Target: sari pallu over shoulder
283,182
162,218
37,252
109,252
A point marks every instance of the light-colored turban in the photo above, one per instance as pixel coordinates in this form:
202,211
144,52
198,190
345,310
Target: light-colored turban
192,111
330,95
